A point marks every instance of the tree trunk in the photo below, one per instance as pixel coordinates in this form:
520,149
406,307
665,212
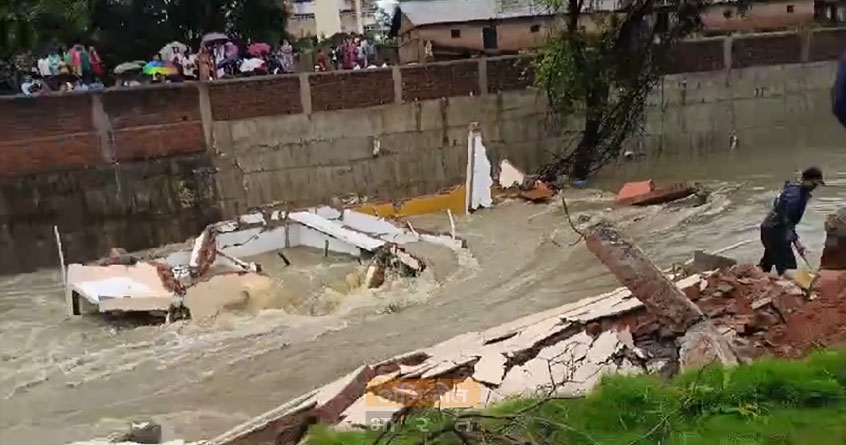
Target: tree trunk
585,152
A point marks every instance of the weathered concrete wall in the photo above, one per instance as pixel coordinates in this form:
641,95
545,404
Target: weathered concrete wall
124,168
761,89
142,167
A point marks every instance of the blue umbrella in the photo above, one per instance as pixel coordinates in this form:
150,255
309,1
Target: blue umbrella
838,92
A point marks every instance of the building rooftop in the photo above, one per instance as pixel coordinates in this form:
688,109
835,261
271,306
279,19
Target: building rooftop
429,12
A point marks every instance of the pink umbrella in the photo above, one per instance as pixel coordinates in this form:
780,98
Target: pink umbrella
257,49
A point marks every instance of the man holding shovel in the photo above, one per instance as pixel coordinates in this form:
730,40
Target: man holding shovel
778,231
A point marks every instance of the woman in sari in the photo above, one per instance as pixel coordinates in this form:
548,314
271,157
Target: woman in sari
205,64
96,62
286,59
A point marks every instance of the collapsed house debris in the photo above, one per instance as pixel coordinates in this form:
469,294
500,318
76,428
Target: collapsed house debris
514,183
644,193
657,326
122,283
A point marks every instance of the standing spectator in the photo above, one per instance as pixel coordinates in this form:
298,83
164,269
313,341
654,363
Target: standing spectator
321,61
55,63
205,64
333,56
74,60
287,57
96,62
84,63
218,56
350,54
360,57
43,67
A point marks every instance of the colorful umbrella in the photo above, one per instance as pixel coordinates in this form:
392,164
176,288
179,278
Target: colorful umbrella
127,67
161,68
257,49
214,37
167,51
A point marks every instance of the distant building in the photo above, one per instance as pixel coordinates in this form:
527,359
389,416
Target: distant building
446,29
757,16
830,12
325,18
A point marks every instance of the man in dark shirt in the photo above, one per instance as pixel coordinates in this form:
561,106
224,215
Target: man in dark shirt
778,231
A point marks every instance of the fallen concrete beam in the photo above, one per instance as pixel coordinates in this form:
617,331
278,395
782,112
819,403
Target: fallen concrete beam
646,282
659,295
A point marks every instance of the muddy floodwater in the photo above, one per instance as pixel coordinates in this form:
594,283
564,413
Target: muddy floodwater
64,379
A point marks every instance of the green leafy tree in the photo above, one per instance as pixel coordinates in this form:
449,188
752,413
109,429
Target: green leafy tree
27,25
602,67
133,29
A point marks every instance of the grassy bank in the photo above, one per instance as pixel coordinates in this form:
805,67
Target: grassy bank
768,402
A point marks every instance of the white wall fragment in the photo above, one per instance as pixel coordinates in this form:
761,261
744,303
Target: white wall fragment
479,180
509,176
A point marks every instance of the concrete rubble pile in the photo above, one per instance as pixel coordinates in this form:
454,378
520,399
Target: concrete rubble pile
659,324
122,283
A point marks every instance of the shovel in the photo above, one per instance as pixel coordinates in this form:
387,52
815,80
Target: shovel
805,277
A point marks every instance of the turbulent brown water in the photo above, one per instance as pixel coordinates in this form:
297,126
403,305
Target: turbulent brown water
64,379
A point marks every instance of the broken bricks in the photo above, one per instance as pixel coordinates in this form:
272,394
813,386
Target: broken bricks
643,193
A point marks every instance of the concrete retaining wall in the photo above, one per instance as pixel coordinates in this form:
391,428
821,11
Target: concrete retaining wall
143,167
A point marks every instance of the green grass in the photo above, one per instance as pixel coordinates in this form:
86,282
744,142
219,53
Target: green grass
768,402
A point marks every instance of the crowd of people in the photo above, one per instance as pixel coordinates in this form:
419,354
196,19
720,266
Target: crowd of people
77,68
81,69
352,54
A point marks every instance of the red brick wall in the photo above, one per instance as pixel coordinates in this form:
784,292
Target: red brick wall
509,73
351,89
696,56
246,98
439,80
132,107
154,122
46,133
766,50
827,45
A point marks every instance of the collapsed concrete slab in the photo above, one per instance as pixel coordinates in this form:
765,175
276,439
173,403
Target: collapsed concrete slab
518,358
116,287
565,351
160,285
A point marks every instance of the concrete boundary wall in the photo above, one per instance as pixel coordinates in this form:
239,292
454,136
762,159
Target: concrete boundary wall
146,166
